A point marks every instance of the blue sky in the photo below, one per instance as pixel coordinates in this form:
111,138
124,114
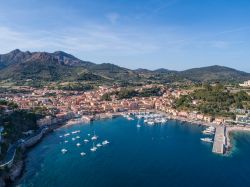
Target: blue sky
172,34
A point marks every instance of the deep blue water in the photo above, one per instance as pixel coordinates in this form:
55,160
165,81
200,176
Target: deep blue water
168,155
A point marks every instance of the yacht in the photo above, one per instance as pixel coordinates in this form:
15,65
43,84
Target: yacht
66,141
209,140
105,142
77,137
64,151
82,154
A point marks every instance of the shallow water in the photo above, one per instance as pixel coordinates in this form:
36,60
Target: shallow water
167,155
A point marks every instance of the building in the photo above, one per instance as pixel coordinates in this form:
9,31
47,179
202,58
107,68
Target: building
245,84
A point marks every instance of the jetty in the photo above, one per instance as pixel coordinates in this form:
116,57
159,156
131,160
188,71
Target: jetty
219,140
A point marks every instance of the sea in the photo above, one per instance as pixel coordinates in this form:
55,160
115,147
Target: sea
170,155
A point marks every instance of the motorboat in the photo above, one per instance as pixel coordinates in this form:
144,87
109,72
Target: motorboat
64,151
209,140
105,142
82,154
78,144
98,145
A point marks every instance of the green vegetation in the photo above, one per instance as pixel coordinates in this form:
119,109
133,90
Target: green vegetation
106,97
127,93
76,86
214,100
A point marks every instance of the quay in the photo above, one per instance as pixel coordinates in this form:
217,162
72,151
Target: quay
219,140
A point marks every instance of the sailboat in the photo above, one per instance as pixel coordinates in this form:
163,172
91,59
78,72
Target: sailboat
94,148
94,137
138,125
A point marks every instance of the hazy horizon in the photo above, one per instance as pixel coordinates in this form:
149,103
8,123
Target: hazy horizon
170,34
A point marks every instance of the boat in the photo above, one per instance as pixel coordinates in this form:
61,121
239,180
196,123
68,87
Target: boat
78,144
67,134
94,148
64,151
138,125
77,137
66,141
61,136
209,140
86,141
94,137
88,134
105,142
82,154
98,145
129,118
73,139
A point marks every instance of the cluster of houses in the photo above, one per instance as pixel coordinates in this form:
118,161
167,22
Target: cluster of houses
66,104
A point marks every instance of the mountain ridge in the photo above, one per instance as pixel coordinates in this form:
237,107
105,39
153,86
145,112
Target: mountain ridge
59,65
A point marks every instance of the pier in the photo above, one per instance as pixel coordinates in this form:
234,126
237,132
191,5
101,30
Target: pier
219,140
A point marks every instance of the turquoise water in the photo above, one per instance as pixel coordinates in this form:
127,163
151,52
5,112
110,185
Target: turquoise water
168,155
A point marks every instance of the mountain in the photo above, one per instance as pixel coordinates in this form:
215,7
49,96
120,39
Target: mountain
18,65
21,66
214,73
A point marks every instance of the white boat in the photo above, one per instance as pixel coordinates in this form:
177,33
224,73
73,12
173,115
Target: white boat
73,139
129,118
86,141
82,154
77,137
105,142
94,137
67,134
138,125
61,136
209,140
98,145
151,122
64,151
66,141
94,148
78,144
88,134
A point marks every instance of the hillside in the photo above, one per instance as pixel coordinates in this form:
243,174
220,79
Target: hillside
18,66
214,73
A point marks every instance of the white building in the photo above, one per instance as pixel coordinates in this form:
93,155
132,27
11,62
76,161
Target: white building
246,84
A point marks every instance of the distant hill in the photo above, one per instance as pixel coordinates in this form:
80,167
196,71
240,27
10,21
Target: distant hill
61,66
214,73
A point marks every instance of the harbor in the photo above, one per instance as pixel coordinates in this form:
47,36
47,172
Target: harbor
132,151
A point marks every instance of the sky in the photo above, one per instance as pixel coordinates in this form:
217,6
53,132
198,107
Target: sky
152,34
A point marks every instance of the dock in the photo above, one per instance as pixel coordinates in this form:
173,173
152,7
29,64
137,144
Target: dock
219,140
